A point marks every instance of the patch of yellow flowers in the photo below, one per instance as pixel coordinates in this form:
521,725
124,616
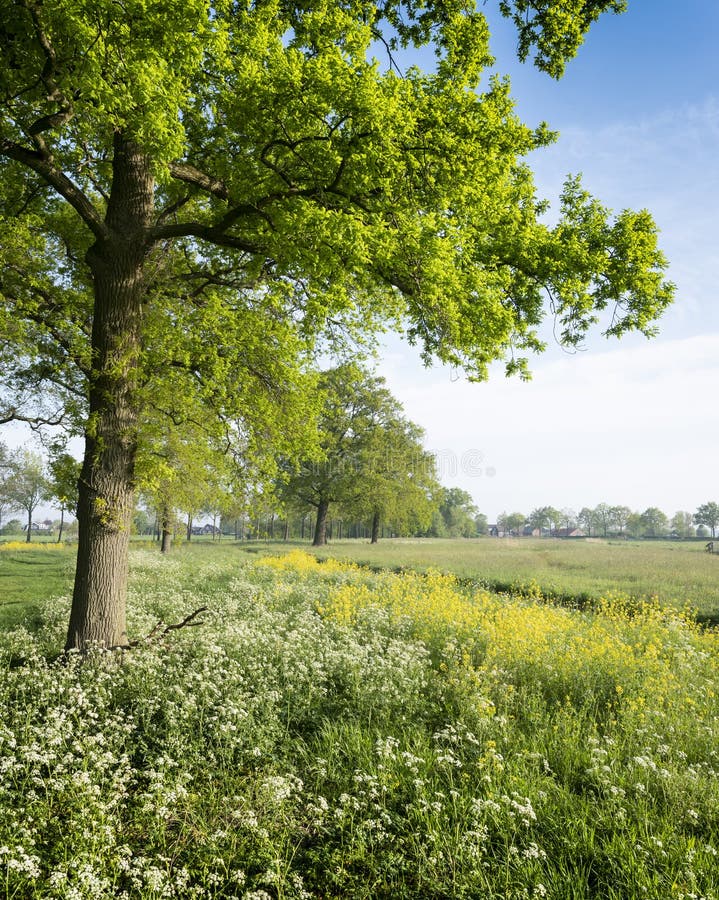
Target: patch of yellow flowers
635,652
29,545
301,563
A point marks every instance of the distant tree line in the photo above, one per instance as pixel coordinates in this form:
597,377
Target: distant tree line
605,520
366,475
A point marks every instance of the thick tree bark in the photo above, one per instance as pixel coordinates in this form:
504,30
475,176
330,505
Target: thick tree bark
320,538
166,545
375,527
106,498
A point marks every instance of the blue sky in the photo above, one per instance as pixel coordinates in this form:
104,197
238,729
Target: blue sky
631,421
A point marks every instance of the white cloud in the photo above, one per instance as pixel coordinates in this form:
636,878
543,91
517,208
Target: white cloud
633,425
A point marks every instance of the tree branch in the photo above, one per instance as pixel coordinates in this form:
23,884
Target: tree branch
44,321
12,415
210,233
190,175
43,165
159,632
54,94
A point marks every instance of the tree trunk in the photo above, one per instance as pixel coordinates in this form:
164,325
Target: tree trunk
287,530
166,530
189,526
62,522
320,538
28,536
375,527
106,499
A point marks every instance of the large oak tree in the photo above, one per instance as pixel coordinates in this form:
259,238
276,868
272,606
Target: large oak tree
272,157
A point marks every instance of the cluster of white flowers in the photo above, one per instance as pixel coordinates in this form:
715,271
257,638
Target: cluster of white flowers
271,748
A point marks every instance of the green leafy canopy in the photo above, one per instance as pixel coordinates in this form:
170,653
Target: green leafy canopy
282,140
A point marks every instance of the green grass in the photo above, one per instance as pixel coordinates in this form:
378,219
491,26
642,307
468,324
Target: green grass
332,733
674,571
28,577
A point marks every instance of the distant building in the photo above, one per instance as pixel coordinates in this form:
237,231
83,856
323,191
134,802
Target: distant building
40,526
205,529
568,533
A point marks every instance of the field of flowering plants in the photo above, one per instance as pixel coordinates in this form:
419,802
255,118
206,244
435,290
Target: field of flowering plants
333,732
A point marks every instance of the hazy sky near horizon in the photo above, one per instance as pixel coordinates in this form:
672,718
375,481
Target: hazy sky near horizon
625,422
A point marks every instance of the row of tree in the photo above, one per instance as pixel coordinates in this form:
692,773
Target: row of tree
26,482
366,469
607,520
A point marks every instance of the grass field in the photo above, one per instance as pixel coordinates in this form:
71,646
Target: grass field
29,574
332,732
677,572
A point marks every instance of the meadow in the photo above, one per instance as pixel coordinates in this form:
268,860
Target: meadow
29,574
677,572
330,731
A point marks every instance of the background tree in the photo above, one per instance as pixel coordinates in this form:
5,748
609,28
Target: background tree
655,522
458,511
588,520
6,503
27,485
708,514
512,523
179,468
14,526
635,525
63,485
568,518
603,518
682,524
155,174
538,519
371,460
544,518
481,524
141,521
619,516
398,476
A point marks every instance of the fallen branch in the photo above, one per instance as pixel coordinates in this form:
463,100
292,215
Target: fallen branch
159,632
